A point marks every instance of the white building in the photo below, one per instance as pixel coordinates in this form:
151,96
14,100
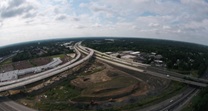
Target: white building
11,75
128,57
158,63
135,53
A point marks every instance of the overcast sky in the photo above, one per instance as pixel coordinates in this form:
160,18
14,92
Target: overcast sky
26,20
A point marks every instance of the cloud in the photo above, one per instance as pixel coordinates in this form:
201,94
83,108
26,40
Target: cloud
183,20
99,9
166,27
75,19
1,23
61,17
154,25
196,26
97,25
30,14
15,11
80,27
12,8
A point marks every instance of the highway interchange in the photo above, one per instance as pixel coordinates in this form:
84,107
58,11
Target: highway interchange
172,104
151,71
145,69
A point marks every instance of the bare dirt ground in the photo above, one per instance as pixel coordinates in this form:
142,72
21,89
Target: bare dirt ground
15,66
22,65
112,86
32,63
108,83
66,59
41,61
102,86
6,68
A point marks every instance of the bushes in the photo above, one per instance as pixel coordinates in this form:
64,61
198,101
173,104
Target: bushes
200,102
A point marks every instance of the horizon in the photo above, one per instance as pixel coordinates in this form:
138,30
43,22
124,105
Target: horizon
32,41
29,20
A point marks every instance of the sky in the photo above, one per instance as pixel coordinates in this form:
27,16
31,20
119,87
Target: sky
28,20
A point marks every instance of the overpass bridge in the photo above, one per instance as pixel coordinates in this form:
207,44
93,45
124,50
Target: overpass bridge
147,69
31,79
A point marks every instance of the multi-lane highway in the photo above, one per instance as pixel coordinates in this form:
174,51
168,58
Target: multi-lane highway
42,76
174,103
43,73
8,105
144,69
7,57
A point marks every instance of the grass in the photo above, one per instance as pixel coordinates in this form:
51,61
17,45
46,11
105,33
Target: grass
8,61
199,102
179,71
57,107
63,92
189,107
194,73
173,89
117,82
58,98
32,63
98,69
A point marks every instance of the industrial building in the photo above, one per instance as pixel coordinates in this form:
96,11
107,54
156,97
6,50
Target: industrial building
12,75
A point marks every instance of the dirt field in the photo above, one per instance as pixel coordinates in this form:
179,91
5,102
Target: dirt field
6,67
30,63
99,85
22,65
65,59
103,82
41,61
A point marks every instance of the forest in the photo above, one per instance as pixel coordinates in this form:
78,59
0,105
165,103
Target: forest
31,50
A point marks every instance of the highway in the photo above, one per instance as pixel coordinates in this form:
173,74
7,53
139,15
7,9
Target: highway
7,57
4,106
185,101
172,104
41,77
43,73
9,105
144,69
175,103
162,71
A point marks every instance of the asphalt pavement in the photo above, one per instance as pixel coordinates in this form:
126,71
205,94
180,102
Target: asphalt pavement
8,105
